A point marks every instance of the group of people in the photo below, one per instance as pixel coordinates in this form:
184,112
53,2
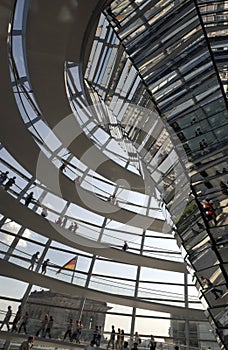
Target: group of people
35,259
72,227
97,334
20,322
18,319
118,342
45,327
203,147
74,334
6,181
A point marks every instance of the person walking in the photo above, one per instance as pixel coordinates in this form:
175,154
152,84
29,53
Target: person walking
29,199
112,338
44,213
28,344
24,323
43,326
34,260
75,332
125,246
152,343
7,318
69,330
79,331
99,335
44,266
59,221
62,167
49,327
17,319
3,177
9,183
137,338
73,226
95,332
118,339
121,342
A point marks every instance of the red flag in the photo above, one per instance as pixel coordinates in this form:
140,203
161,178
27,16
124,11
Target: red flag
70,265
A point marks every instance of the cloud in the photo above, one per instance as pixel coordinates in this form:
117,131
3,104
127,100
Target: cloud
14,227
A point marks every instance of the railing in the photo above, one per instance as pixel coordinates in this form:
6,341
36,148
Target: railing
98,283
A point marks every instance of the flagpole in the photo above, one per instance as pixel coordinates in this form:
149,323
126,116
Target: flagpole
72,277
81,307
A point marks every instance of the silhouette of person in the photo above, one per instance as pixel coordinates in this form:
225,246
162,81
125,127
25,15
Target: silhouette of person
112,338
59,221
24,323
17,319
152,343
29,198
125,246
3,177
49,327
34,259
44,266
44,213
69,330
73,227
10,183
62,167
7,318
43,326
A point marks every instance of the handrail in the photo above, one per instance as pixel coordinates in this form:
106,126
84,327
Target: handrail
103,284
153,249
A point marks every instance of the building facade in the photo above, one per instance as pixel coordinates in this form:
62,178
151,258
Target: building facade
63,308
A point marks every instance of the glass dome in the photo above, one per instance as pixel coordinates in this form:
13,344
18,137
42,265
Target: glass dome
113,163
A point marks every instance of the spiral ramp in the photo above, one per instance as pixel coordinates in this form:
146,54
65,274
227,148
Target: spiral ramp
51,36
